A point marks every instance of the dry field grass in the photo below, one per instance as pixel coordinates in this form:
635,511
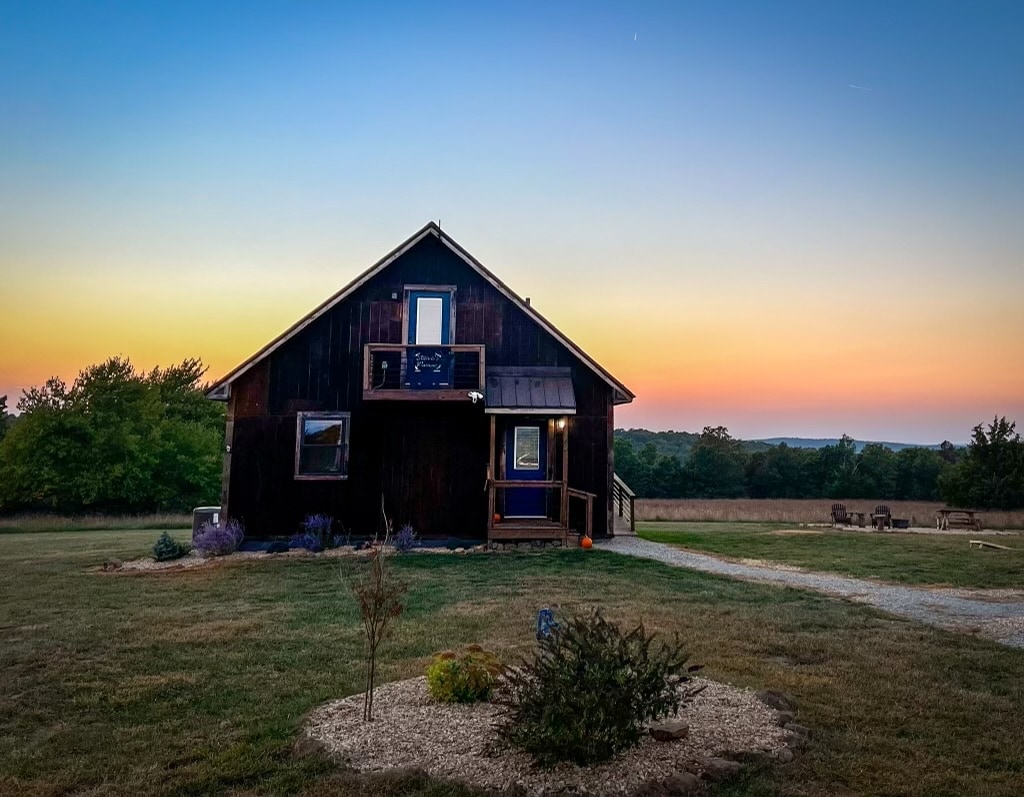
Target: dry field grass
786,510
48,522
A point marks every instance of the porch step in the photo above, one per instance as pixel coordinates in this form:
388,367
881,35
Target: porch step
531,529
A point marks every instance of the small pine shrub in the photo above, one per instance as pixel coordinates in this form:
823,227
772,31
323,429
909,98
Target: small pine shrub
589,692
219,540
167,548
405,539
466,677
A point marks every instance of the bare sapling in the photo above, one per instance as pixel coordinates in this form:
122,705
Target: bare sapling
379,594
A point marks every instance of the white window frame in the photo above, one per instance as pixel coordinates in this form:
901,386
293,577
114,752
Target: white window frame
515,446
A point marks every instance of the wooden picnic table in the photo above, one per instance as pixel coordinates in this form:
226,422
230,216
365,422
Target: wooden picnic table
957,519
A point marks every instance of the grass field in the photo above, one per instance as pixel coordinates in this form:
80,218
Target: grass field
196,682
786,510
44,522
903,558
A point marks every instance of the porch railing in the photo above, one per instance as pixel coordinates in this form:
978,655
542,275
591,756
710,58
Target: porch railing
410,371
555,523
624,502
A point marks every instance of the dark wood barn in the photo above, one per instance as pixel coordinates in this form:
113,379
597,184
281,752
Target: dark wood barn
428,389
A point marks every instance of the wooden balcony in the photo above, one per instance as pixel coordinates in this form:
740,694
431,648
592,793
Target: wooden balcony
423,373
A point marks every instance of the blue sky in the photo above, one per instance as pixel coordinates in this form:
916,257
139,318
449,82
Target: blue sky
741,181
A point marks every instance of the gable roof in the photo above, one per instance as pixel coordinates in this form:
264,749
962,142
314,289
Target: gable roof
622,394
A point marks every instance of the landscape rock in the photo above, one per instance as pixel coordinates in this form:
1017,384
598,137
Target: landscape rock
683,784
112,564
785,755
651,788
797,741
777,700
307,746
669,730
784,718
794,727
460,550
716,769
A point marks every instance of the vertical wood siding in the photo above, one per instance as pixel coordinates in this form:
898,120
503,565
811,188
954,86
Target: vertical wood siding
426,459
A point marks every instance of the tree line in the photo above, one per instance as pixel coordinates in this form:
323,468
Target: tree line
987,474
116,440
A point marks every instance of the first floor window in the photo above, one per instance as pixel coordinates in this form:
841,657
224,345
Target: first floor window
321,446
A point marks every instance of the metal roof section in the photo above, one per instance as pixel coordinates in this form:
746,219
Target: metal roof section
529,391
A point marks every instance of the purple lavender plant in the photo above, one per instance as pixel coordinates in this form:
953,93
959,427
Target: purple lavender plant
405,539
319,526
306,540
219,540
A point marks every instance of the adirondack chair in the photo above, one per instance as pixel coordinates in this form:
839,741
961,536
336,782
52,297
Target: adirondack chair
881,518
840,517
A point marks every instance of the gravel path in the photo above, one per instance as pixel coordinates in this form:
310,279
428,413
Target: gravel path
1001,620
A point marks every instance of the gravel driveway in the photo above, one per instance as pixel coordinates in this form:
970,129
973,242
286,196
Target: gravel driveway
951,609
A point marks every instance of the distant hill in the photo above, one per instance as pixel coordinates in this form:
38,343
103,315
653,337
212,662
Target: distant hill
679,444
821,442
676,444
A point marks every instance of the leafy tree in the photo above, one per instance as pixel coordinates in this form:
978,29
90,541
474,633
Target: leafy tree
991,473
116,440
716,467
4,417
917,474
838,468
948,452
782,472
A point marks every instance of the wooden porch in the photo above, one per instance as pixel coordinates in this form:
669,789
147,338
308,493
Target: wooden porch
555,525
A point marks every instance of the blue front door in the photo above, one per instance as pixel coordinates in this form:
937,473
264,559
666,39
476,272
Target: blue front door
526,458
429,364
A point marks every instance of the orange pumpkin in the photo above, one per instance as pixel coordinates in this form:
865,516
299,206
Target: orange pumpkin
586,542
497,518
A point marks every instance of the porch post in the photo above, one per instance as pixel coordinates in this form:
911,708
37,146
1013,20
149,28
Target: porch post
490,479
565,472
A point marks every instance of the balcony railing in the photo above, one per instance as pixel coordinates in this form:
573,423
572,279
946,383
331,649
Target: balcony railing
436,373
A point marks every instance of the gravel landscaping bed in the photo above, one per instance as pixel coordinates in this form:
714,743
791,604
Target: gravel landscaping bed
451,741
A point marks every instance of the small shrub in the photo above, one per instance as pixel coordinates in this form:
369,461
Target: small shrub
318,525
316,534
306,540
466,677
405,539
219,540
589,691
167,548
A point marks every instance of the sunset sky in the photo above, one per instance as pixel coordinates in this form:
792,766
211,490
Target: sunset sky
785,218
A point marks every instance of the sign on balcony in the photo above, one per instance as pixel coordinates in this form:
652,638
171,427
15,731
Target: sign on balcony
430,367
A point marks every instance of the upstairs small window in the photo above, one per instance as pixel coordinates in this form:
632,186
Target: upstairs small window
321,445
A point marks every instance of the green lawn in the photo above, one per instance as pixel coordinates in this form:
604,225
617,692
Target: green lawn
195,683
904,558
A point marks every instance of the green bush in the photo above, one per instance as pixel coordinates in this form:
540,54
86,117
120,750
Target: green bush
589,692
167,548
466,677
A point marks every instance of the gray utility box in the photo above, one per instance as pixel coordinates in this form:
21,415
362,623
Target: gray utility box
204,514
